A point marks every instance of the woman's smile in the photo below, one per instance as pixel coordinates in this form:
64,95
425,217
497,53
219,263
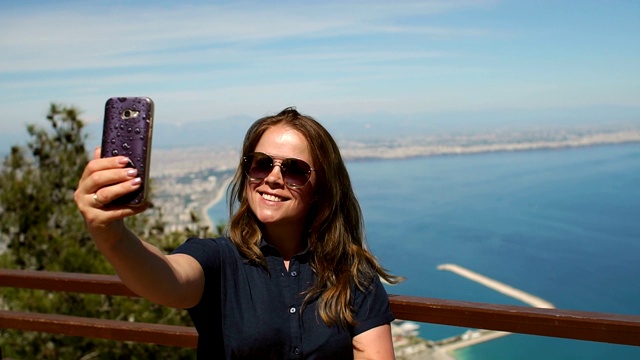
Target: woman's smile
272,198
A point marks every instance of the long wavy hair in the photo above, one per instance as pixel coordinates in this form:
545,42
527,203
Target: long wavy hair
336,238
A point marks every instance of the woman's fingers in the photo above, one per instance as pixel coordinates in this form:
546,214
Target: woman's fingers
104,180
123,181
104,172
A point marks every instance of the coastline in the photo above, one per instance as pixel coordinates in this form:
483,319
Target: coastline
467,145
219,195
354,151
463,145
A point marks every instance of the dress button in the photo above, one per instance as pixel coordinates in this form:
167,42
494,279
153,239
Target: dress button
292,310
294,273
296,351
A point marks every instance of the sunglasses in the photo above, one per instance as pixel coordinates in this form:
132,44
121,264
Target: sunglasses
295,172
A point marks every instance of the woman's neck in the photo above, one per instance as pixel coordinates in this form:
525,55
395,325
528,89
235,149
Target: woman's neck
288,241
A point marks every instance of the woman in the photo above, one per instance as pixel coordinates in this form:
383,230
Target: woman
292,279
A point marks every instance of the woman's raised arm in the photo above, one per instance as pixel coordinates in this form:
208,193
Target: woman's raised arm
172,280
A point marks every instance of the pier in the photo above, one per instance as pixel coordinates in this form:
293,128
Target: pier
471,337
498,286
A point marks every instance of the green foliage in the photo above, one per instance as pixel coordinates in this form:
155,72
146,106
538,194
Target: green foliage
36,198
43,230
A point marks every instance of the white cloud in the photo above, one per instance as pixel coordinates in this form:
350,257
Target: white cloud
96,36
328,57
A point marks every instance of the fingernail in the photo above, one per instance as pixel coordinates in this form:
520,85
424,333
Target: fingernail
132,172
123,161
136,181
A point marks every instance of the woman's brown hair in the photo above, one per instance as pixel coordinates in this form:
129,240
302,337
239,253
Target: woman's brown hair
336,238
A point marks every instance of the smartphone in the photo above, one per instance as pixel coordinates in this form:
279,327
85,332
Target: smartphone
127,131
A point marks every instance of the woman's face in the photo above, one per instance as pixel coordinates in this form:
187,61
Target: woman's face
273,202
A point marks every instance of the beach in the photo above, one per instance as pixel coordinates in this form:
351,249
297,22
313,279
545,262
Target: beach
218,195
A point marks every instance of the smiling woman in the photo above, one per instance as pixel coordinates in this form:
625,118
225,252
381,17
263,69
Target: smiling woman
292,279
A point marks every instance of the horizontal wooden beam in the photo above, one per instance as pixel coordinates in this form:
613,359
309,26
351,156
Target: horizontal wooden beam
168,335
64,281
569,324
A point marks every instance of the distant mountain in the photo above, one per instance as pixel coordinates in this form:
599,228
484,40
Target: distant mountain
379,126
375,127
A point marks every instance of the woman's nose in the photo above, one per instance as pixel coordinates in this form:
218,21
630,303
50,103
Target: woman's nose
275,176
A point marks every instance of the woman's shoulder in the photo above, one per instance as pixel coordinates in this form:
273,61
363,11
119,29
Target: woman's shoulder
206,245
211,253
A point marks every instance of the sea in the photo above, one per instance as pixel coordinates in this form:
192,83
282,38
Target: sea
563,225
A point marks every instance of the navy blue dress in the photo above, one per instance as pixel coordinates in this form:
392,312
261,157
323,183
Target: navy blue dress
249,312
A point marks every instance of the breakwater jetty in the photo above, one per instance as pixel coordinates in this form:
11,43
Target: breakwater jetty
443,348
498,286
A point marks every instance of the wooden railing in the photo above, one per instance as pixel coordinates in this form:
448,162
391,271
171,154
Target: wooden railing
579,325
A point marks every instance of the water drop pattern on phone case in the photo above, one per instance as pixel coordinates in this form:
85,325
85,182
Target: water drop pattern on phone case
128,136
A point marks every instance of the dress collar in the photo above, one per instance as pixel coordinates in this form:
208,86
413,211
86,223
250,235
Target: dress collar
270,249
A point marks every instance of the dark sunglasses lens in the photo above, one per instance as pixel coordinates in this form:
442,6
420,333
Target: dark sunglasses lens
258,166
296,172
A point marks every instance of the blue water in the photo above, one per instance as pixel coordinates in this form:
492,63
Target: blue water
563,225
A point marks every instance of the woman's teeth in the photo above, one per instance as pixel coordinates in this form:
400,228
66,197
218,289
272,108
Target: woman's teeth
271,197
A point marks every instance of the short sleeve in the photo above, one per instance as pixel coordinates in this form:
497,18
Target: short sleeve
371,307
205,251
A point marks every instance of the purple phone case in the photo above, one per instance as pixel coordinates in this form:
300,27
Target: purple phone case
131,137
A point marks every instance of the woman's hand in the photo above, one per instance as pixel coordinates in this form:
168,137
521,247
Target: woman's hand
104,180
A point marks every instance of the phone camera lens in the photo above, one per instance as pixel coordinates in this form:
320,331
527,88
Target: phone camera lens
127,114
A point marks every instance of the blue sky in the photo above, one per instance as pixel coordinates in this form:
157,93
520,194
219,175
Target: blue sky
332,59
